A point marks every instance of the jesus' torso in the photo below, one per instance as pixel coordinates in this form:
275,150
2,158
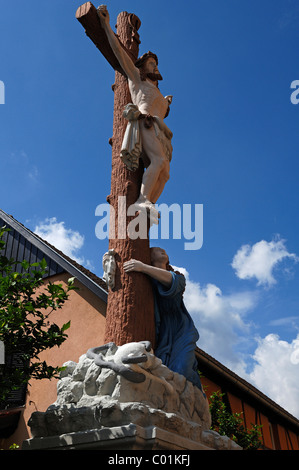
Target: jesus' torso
148,98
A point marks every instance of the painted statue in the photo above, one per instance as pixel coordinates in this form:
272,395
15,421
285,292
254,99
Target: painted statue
146,135
176,334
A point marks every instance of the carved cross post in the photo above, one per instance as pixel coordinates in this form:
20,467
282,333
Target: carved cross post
130,308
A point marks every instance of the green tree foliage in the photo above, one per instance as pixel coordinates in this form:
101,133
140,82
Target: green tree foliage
231,425
25,326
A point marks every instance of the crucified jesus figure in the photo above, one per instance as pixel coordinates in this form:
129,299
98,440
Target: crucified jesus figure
146,134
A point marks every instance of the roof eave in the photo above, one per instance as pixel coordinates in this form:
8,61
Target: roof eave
58,258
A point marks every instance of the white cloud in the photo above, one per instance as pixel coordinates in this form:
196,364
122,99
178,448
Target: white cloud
69,241
259,260
220,320
291,322
226,334
276,371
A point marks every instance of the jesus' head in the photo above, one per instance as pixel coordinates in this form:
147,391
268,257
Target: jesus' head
148,66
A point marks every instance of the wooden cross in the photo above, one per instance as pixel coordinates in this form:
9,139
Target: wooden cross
130,307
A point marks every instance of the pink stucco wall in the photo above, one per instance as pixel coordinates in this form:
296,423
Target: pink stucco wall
86,312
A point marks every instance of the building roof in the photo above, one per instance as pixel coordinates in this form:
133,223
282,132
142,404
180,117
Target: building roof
22,243
229,381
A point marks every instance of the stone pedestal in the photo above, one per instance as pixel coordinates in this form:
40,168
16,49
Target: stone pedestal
129,437
99,408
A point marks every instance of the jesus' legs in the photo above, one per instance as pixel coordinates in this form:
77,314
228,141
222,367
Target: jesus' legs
157,173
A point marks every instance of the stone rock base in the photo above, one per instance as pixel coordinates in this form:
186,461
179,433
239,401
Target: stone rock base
130,437
101,407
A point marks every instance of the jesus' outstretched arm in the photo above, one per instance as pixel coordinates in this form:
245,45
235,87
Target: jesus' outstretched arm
124,60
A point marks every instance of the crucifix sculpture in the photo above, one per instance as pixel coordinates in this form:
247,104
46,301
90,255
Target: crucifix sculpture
140,139
145,308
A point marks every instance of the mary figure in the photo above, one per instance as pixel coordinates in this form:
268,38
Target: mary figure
176,334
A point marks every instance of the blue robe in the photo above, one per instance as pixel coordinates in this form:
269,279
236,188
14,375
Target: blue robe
176,334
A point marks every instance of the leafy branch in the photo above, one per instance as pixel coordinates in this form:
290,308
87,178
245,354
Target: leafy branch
25,329
231,425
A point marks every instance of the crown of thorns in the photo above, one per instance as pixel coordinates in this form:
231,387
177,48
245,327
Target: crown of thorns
139,63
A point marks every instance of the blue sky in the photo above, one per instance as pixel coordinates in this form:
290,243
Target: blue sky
229,66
